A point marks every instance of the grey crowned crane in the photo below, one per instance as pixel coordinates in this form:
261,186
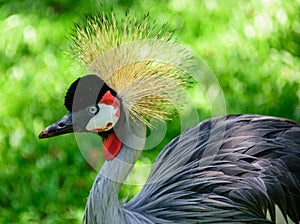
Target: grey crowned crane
228,169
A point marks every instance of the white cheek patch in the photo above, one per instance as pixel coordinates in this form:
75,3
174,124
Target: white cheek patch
105,119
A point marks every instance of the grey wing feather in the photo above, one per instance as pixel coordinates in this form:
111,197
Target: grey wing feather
230,169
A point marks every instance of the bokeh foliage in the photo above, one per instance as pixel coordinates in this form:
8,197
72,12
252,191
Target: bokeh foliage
253,47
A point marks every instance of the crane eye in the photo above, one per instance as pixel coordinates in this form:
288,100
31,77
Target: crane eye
93,109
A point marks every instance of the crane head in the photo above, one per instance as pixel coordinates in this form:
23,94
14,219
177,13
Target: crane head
144,76
93,107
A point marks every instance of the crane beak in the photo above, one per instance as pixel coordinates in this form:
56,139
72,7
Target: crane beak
63,126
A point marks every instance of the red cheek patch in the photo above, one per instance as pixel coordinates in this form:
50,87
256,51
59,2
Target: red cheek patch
112,146
109,99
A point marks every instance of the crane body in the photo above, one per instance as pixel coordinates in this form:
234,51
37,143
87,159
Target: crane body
257,166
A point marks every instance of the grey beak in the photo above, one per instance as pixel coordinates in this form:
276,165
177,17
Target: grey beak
63,126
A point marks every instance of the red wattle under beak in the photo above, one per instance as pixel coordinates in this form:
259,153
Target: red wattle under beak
112,146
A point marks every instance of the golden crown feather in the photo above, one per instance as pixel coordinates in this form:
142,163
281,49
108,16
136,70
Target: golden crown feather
123,53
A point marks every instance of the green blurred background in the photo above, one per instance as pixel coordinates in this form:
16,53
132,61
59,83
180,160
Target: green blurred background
253,47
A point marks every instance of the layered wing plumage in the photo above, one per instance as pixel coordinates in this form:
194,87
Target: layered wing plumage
228,169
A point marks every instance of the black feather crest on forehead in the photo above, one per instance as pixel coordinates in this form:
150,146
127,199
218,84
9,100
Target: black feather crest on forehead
84,92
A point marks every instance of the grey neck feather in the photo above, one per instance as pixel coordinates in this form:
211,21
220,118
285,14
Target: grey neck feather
103,205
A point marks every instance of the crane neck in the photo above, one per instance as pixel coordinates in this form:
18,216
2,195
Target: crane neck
103,205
